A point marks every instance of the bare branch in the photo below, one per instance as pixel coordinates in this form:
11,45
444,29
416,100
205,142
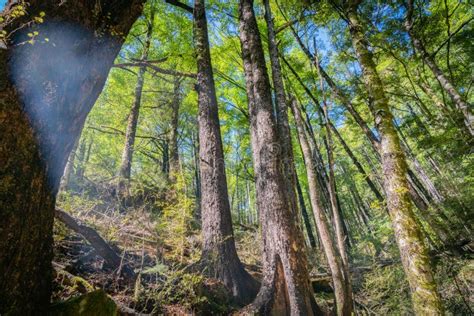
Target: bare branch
156,69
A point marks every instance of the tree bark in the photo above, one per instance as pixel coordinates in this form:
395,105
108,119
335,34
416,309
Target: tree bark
219,253
333,256
127,153
285,286
409,237
281,105
46,92
448,87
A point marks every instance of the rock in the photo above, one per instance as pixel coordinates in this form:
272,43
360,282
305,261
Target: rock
96,303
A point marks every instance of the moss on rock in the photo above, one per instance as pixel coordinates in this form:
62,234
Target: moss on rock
96,303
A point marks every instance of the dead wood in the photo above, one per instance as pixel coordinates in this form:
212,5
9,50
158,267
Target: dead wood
102,248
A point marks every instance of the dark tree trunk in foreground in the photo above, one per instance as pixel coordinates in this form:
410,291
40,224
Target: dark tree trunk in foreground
46,92
461,105
219,254
285,286
127,153
413,251
339,277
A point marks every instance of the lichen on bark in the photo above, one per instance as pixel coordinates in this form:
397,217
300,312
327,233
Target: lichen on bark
413,251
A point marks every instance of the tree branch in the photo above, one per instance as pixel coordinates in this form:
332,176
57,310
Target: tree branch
155,68
116,131
451,36
151,61
289,23
181,5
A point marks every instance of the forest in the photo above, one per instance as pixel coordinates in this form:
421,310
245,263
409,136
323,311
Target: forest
239,157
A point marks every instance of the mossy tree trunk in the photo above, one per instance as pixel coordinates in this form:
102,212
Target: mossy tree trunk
418,194
413,251
46,92
285,286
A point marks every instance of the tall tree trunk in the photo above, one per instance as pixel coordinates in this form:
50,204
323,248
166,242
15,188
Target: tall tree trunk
69,167
409,237
349,152
345,101
304,213
336,211
219,253
285,286
361,208
81,157
197,178
444,81
46,92
173,134
427,182
333,256
249,204
317,157
165,159
127,153
283,127
446,111
414,184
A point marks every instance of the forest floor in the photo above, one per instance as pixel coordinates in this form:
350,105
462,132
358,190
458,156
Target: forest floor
159,252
